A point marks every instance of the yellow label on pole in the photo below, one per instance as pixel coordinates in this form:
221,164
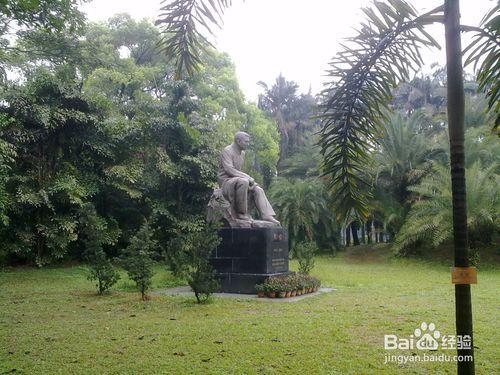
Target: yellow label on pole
463,275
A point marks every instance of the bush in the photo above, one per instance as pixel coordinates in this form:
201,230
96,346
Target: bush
95,233
102,271
191,261
137,259
304,252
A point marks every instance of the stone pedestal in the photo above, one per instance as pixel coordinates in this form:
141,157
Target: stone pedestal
247,256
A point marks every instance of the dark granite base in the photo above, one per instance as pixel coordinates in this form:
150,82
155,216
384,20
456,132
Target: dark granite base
247,256
244,283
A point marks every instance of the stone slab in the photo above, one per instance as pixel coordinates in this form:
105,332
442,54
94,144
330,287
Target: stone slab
247,256
258,250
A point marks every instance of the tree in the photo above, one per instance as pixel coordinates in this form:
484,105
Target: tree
279,101
188,256
137,259
21,17
53,173
291,112
96,232
403,155
304,209
304,253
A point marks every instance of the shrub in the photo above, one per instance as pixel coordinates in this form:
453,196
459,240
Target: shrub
137,259
304,252
95,233
191,261
102,271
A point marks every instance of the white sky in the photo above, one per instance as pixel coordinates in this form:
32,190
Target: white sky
294,37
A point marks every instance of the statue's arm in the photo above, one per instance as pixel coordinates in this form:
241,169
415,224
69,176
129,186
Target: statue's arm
228,166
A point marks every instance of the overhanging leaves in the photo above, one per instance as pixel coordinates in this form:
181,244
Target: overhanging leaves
383,53
181,21
485,48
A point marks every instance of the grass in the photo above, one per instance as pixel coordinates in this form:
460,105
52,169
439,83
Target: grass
51,322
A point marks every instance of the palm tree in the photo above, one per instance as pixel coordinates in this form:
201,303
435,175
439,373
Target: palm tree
302,206
430,218
404,155
278,100
383,54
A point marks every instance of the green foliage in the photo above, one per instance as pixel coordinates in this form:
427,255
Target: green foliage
404,154
22,18
137,259
292,114
53,173
181,20
188,255
303,207
288,283
98,126
304,253
430,218
101,270
485,49
96,233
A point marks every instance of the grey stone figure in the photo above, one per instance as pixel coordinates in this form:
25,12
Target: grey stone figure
238,191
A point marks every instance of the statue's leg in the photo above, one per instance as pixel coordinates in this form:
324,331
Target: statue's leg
262,203
241,196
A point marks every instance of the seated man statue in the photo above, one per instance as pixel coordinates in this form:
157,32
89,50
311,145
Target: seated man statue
238,187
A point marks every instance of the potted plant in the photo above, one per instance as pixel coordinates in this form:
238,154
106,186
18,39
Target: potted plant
271,286
309,285
261,290
301,286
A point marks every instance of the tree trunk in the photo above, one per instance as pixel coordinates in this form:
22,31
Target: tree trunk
369,232
363,225
347,235
454,72
355,238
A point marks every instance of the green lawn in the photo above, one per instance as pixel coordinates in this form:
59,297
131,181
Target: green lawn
51,322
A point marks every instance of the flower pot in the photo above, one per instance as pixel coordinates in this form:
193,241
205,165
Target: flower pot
271,294
302,291
288,294
310,290
261,294
282,294
293,293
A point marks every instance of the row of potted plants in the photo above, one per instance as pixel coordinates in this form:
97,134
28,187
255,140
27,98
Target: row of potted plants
287,286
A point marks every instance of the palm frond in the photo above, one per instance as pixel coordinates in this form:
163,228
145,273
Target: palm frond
384,53
181,21
485,49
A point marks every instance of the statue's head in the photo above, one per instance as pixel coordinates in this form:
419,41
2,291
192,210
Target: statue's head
242,139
